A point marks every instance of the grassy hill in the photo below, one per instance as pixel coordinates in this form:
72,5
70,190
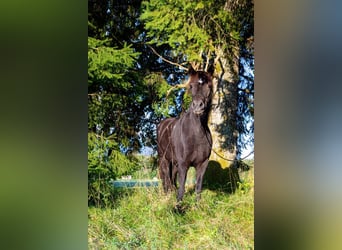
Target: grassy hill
145,218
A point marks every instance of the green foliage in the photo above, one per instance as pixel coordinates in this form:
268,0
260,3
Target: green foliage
186,101
104,166
109,64
149,169
161,103
146,219
189,27
116,92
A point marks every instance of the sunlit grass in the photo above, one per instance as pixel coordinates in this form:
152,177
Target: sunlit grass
146,218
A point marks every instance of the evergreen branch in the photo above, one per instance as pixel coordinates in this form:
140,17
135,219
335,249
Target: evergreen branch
217,24
222,30
165,60
178,86
110,137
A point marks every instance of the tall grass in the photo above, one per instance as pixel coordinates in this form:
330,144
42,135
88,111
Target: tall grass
145,218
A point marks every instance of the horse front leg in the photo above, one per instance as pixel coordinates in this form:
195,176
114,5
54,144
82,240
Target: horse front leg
200,170
182,172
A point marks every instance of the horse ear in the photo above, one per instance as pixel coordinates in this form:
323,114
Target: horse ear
191,70
211,69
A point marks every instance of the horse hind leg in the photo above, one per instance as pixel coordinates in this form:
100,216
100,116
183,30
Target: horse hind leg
164,175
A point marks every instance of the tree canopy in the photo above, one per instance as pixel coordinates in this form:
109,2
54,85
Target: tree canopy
206,32
131,47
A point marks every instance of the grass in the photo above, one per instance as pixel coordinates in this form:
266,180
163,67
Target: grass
146,218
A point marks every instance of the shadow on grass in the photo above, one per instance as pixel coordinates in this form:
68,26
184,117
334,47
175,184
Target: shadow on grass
217,178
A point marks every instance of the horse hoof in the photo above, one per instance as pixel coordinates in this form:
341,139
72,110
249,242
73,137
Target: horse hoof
180,209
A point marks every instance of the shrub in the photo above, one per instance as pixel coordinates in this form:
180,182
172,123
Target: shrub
105,164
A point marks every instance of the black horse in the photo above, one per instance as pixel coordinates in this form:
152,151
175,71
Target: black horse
186,141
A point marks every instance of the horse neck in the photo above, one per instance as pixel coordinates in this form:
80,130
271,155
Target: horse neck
201,121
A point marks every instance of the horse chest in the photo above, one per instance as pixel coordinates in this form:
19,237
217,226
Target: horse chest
191,143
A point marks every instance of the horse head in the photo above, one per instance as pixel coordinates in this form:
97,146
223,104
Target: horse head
200,87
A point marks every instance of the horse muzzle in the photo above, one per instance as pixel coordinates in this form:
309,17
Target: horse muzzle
198,107
198,112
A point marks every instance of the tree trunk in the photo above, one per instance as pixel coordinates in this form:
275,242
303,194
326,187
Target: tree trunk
222,119
222,124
